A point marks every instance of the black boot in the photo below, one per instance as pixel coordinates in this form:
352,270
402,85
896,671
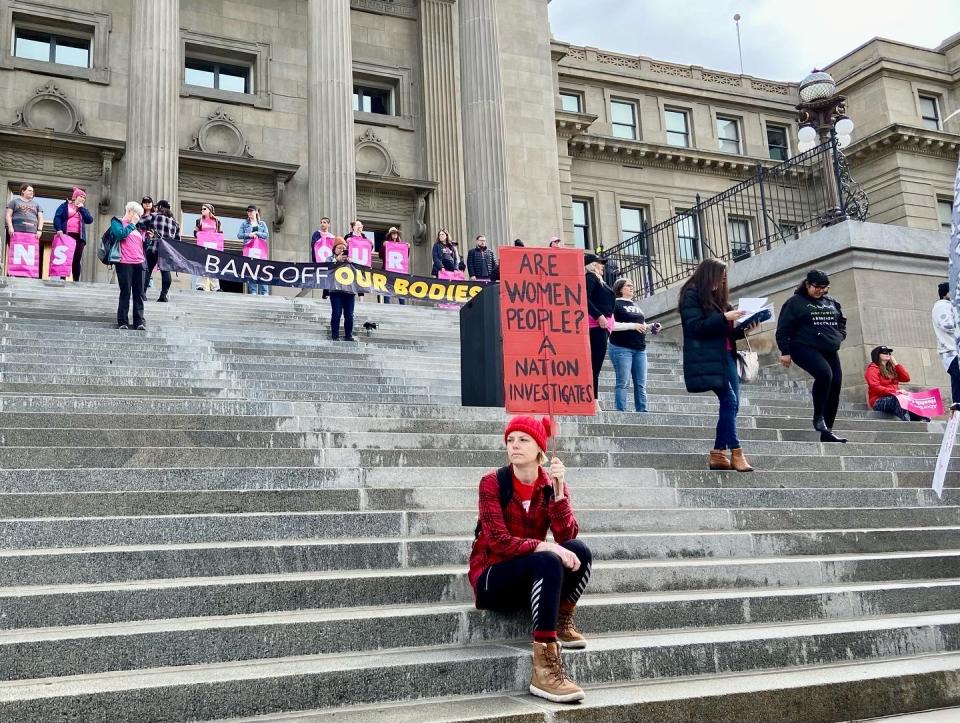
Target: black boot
829,436
820,425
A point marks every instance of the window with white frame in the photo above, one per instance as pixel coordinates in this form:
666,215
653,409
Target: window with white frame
738,233
677,123
688,237
571,102
582,223
631,221
777,146
623,117
728,134
930,112
945,213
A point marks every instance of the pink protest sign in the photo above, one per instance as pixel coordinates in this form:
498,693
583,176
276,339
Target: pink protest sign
24,255
926,402
210,240
323,248
61,255
360,251
256,248
396,257
450,276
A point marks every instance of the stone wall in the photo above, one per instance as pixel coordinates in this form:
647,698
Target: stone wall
885,278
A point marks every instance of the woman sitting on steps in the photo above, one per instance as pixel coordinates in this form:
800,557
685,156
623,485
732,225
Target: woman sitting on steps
513,567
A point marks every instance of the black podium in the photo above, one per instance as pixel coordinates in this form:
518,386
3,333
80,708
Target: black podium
481,350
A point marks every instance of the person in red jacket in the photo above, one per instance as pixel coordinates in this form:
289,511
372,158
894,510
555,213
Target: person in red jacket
883,377
512,566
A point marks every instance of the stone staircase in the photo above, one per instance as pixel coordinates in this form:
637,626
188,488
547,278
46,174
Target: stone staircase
231,517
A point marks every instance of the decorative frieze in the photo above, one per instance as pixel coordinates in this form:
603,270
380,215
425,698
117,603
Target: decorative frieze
734,81
395,203
677,71
399,8
767,87
619,61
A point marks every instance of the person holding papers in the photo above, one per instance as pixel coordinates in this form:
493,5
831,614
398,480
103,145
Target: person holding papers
883,376
710,339
810,331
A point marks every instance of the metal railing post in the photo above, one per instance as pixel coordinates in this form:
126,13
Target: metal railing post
761,172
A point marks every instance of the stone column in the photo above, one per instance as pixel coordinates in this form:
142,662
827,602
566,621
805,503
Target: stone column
484,162
152,159
440,53
331,158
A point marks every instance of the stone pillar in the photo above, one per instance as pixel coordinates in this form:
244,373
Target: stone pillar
484,162
331,158
440,53
152,159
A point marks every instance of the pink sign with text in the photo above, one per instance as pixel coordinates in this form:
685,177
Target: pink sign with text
396,257
323,249
61,255
360,251
256,248
926,402
24,255
450,276
210,240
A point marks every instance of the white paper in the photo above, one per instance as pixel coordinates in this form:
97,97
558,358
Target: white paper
752,305
946,449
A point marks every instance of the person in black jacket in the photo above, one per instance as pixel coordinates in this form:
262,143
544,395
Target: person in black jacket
810,330
480,261
600,307
709,355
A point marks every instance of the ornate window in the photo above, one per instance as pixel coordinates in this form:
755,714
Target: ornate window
225,70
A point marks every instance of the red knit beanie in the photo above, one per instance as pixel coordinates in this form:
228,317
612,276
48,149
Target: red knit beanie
539,429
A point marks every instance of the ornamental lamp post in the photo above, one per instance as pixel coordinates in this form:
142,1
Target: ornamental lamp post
822,118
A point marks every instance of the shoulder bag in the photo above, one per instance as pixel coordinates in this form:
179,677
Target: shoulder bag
748,364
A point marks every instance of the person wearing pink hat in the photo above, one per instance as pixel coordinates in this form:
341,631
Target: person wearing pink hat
555,242
72,219
512,566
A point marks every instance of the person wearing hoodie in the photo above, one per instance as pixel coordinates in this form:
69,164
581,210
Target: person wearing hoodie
884,376
945,327
512,564
810,330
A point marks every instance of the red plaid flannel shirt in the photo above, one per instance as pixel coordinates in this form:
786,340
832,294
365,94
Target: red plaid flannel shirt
512,532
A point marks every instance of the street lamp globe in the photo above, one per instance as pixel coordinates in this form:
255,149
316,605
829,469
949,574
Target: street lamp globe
844,127
807,134
817,86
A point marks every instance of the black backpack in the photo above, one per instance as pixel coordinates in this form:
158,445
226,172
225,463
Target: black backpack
505,483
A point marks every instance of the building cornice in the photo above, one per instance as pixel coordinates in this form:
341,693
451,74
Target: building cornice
902,137
573,124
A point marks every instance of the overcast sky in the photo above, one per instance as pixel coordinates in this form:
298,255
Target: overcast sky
781,40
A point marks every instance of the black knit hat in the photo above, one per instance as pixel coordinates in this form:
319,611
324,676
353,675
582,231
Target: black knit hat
943,288
817,278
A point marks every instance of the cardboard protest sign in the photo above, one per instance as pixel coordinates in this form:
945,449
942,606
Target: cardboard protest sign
946,451
323,248
210,240
926,403
255,248
23,257
360,251
396,257
61,255
546,346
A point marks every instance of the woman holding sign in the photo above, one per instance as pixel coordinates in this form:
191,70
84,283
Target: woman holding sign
883,376
395,254
254,234
207,223
710,339
71,219
513,567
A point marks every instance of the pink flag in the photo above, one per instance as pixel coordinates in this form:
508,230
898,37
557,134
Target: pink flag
24,255
396,257
256,248
61,255
926,402
210,240
323,248
360,250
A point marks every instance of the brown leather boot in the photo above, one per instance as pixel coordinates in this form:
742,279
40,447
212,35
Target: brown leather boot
567,632
718,460
550,679
738,461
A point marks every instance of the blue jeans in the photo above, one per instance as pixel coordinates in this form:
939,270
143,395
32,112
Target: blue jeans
629,364
729,398
259,289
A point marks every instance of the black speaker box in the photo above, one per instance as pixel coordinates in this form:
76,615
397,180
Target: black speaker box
481,350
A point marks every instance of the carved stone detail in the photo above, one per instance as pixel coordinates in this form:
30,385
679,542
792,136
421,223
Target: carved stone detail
19,161
197,181
722,79
419,214
373,156
388,202
577,53
106,181
49,109
620,61
678,71
766,87
400,8
221,135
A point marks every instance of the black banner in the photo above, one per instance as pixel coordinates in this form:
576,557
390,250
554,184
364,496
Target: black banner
199,261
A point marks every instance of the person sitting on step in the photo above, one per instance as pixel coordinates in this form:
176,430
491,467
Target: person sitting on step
883,376
513,567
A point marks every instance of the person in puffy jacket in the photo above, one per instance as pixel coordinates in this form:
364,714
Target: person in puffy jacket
810,330
710,339
514,567
883,376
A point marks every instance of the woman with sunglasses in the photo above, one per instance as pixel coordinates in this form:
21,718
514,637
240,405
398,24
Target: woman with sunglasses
810,330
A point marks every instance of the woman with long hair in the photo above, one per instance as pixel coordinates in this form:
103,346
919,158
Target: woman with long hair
341,302
710,339
514,567
208,221
444,253
600,308
810,330
250,230
628,347
884,376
